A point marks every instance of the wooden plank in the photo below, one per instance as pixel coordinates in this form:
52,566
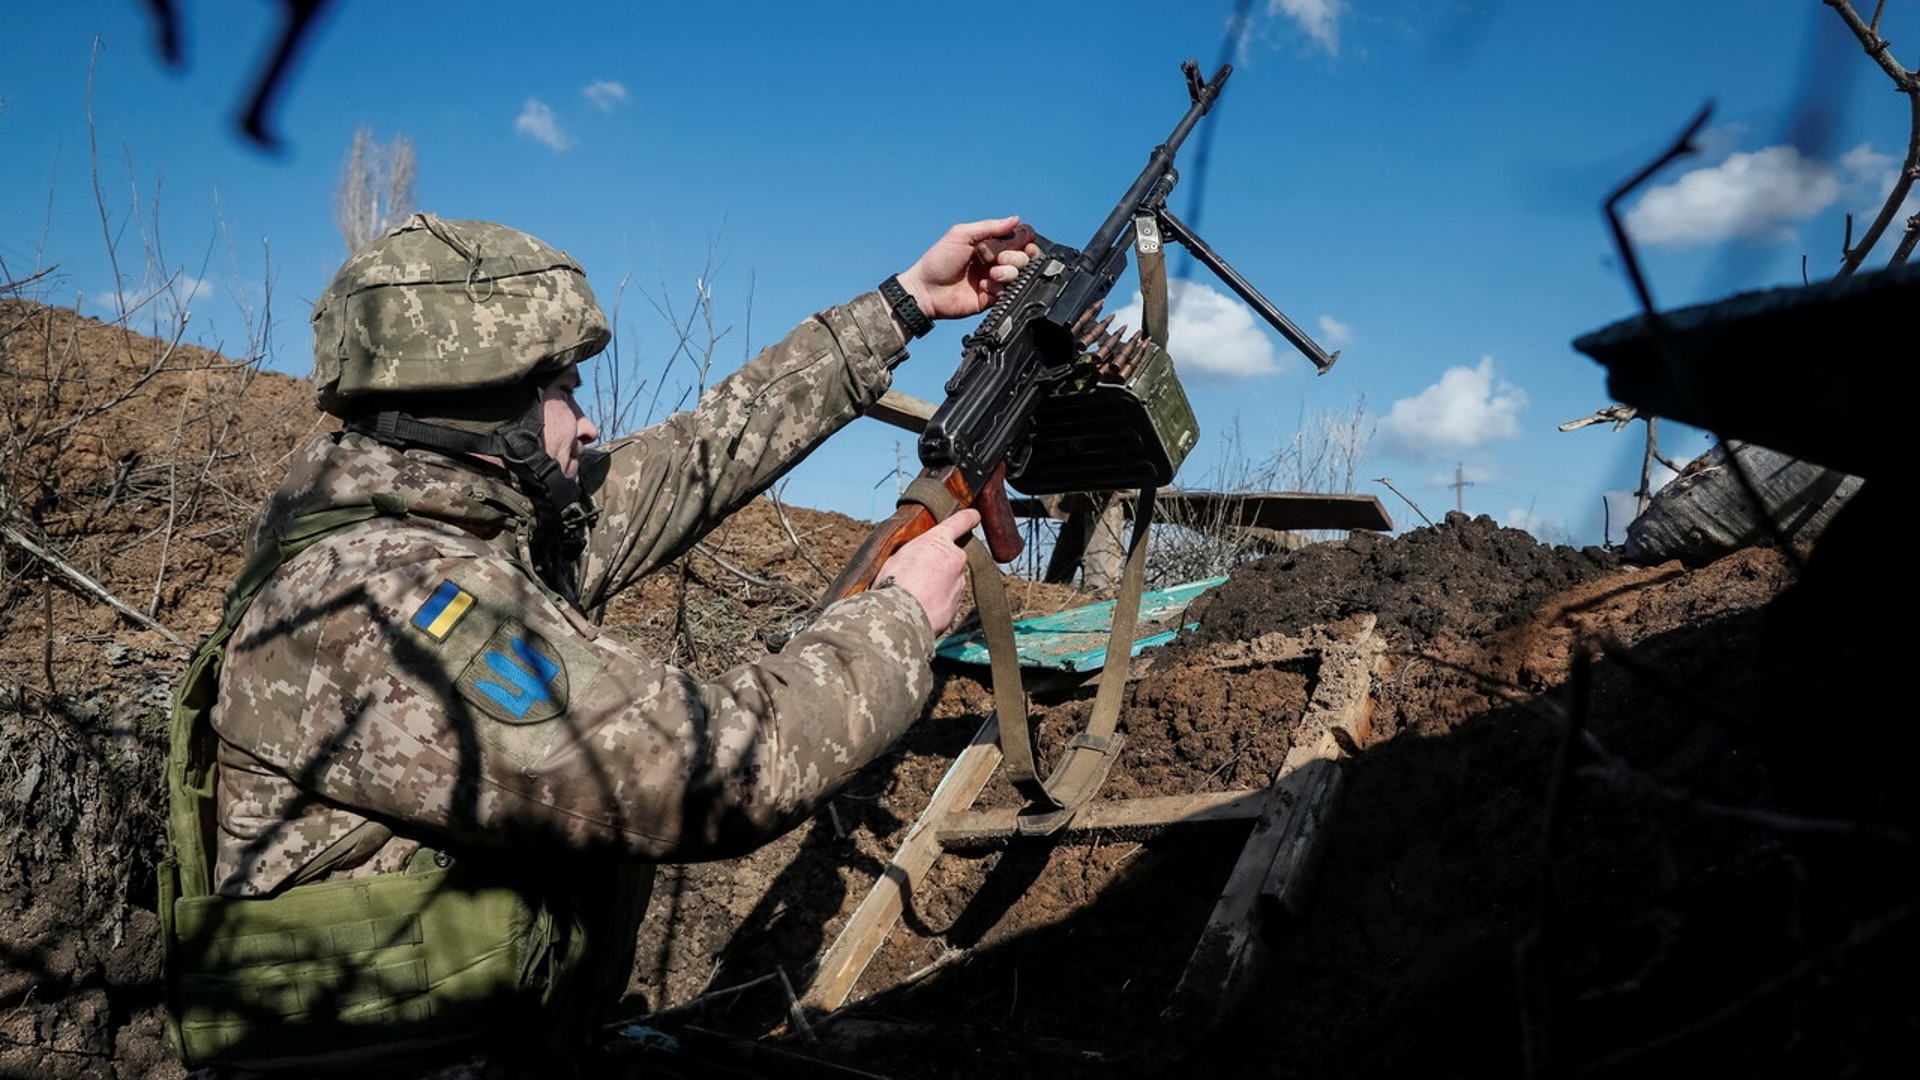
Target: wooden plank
1279,510
1131,819
1297,859
1273,512
1342,701
1230,948
902,411
871,922
1274,874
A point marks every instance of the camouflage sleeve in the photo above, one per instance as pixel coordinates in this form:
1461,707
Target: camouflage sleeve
450,695
660,489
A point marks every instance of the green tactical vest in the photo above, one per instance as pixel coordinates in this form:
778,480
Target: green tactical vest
447,957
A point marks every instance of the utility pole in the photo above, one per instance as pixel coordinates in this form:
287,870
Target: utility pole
1460,485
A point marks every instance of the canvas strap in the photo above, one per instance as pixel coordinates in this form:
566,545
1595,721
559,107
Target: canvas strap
1090,755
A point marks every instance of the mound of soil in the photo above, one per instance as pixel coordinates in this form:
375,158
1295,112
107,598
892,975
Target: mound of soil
1606,820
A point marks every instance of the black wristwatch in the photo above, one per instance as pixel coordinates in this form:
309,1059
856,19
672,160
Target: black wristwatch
905,306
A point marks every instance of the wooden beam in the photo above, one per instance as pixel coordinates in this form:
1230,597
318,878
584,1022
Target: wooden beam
1271,880
1131,819
1283,841
902,411
1271,511
873,920
1278,510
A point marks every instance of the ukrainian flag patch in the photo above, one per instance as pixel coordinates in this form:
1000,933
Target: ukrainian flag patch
443,610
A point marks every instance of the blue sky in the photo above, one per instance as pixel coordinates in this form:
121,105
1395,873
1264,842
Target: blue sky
1416,182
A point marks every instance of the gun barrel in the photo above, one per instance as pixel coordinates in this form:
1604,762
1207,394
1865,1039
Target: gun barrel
1159,165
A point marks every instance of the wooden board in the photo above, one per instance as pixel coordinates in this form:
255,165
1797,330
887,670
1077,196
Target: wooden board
1130,819
1275,511
1271,879
867,930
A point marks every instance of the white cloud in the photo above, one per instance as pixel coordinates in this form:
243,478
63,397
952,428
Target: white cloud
1334,332
1869,176
188,288
1757,196
1320,19
164,299
537,121
1466,408
1660,477
1545,528
1209,332
605,94
1865,163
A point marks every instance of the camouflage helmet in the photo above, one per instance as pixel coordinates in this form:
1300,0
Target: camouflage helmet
436,307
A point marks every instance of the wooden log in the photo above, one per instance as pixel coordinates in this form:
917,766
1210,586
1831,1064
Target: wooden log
1342,701
873,920
1297,857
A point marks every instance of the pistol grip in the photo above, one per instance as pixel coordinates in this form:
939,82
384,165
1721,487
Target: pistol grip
996,518
989,249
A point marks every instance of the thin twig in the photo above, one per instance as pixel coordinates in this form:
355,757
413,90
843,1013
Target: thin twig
1681,147
1403,498
699,1003
806,553
21,283
794,1011
1908,83
1534,955
1611,768
1859,937
46,640
755,579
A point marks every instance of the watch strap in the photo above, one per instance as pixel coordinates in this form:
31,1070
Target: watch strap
906,307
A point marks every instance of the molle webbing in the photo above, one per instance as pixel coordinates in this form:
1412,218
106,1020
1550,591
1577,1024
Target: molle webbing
353,973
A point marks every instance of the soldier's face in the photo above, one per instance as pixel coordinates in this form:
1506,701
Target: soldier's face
567,428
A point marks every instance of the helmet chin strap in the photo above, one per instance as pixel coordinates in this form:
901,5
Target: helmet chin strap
561,513
520,444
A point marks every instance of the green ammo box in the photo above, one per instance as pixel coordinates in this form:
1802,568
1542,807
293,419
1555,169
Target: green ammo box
1088,435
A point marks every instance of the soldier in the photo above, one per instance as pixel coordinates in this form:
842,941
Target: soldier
417,822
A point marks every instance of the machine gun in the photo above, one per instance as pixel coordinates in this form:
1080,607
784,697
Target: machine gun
1046,398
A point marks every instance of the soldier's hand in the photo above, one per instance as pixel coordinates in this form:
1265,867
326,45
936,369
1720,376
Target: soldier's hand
953,280
931,567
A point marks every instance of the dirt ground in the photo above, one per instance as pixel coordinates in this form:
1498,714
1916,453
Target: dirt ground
1609,819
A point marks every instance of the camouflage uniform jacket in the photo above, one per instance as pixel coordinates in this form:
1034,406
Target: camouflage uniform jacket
413,670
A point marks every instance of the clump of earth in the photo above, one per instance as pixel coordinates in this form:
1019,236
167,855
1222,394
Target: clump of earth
1606,819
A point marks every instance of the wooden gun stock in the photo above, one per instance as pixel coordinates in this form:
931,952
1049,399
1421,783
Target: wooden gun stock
912,519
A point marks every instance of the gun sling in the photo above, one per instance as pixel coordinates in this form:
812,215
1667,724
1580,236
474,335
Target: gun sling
1090,755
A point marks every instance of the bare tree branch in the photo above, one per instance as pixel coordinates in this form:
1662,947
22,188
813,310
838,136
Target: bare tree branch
1906,82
